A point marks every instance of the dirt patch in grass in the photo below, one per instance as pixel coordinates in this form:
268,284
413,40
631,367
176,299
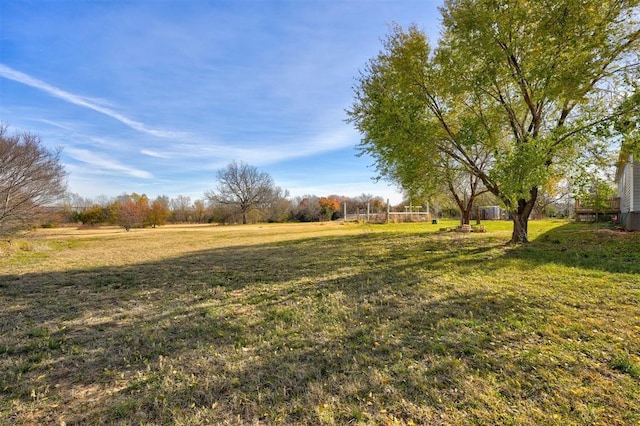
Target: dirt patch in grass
322,324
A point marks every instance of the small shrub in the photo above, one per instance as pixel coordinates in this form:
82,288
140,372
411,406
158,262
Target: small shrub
624,364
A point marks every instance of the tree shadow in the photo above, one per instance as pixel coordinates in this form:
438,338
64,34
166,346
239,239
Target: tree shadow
333,329
584,246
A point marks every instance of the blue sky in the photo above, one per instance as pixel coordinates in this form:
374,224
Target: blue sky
154,96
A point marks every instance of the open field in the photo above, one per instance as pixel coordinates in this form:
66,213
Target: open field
321,324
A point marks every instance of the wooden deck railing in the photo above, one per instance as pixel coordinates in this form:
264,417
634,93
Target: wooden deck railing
610,206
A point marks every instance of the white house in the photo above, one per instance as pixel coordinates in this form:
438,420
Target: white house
628,179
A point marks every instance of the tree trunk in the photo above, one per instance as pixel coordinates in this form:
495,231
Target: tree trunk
520,229
465,208
244,218
521,218
466,215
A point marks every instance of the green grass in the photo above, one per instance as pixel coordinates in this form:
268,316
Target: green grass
322,324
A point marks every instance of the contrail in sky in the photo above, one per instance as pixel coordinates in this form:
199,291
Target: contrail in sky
11,74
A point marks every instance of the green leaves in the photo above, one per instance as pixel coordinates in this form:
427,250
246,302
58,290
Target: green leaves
628,124
517,171
515,93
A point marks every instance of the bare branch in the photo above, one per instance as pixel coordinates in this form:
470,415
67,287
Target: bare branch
30,178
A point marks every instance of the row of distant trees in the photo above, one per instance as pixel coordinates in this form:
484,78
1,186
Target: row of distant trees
137,210
132,210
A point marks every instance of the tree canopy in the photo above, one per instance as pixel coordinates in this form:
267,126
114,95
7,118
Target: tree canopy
515,93
244,187
31,177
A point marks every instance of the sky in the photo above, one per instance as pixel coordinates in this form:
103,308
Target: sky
155,96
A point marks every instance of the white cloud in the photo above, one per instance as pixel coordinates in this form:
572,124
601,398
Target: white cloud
11,74
102,163
331,140
155,154
214,155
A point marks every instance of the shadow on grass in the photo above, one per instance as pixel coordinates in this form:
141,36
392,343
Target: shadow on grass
326,330
585,246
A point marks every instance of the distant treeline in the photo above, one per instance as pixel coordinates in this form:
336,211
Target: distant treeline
137,210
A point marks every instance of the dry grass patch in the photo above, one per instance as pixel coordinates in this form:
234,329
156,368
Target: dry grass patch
322,324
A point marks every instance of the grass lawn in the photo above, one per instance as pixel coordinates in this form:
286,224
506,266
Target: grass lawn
321,324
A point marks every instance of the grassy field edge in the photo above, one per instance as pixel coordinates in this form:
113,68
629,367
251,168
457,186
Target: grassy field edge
321,324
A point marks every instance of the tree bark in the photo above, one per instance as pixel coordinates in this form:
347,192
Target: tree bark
520,229
466,215
464,205
521,218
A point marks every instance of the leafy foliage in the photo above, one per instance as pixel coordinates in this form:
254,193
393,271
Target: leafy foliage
526,85
328,206
131,211
596,194
157,214
628,123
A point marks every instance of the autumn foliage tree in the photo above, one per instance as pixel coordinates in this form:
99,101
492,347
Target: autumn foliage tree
157,214
329,206
307,209
131,210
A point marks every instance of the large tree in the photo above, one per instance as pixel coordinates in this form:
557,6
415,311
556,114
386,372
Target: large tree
531,84
31,177
244,187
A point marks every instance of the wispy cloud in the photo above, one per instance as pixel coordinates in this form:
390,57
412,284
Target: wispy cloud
337,138
258,154
103,163
155,154
20,77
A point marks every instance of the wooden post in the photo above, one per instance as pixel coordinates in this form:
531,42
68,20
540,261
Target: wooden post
388,210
